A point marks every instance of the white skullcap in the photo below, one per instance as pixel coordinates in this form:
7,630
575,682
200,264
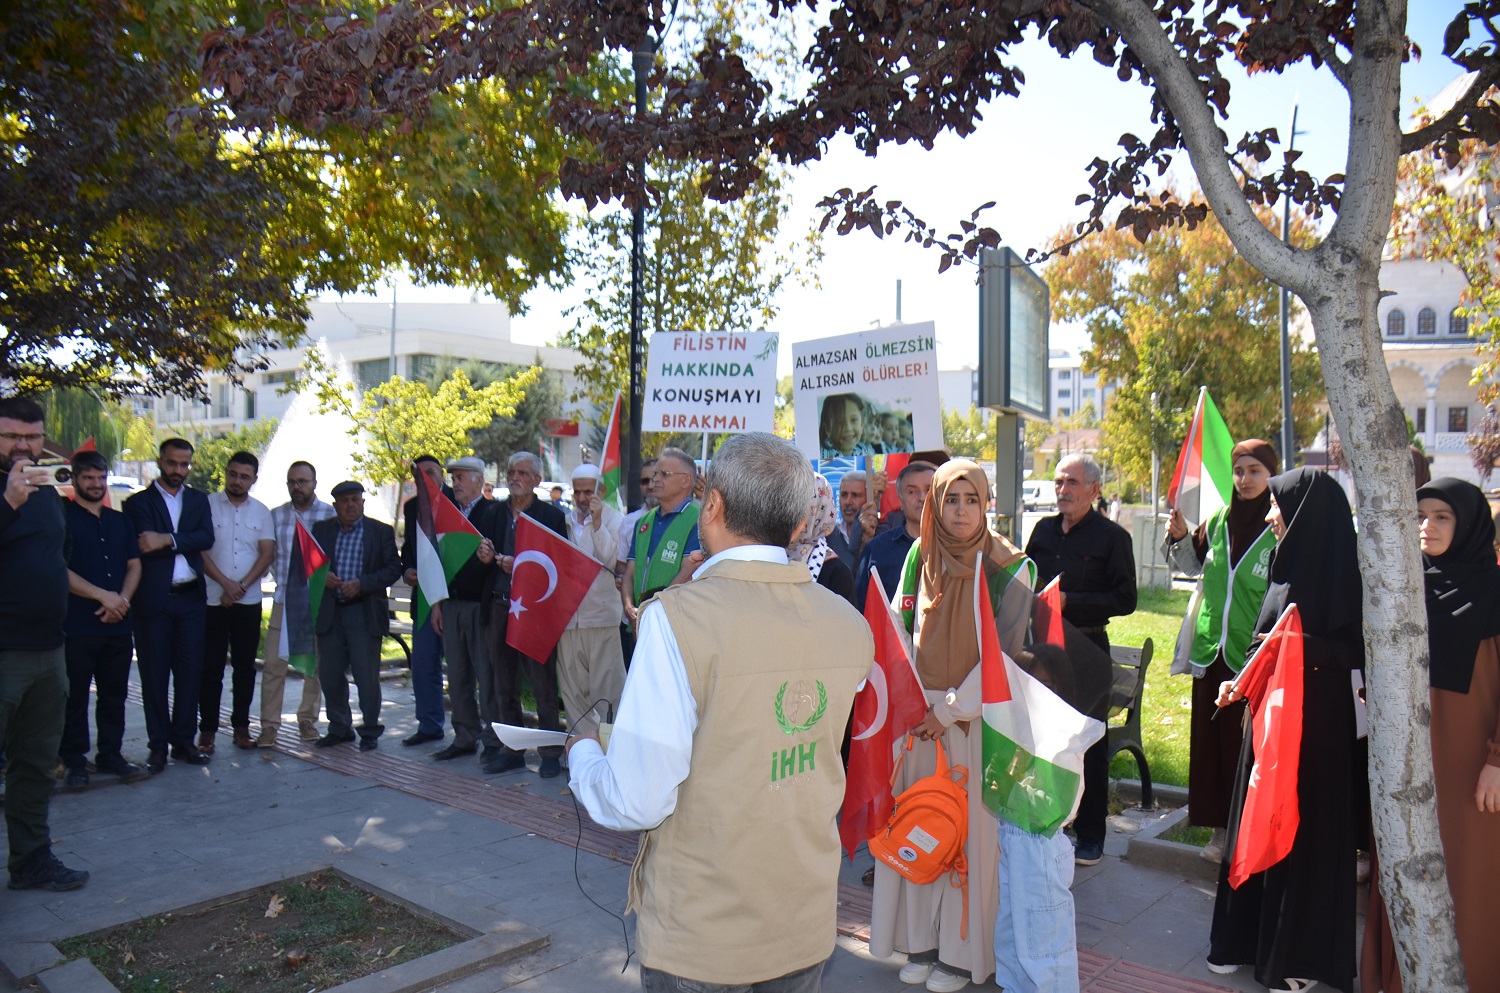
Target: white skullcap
587,471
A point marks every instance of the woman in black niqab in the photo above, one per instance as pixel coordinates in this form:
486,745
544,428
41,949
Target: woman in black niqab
1295,922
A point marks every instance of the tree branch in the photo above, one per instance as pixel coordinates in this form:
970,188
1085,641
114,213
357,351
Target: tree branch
1412,141
1330,55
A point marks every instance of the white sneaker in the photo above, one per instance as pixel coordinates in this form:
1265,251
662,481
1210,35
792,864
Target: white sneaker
916,973
1222,970
1295,986
1214,850
945,982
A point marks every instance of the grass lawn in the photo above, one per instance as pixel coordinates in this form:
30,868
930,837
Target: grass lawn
1165,707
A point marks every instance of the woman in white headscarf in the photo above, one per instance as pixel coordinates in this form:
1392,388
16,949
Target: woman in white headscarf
810,545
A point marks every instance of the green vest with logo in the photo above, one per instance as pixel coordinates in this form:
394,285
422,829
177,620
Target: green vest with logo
655,572
1231,596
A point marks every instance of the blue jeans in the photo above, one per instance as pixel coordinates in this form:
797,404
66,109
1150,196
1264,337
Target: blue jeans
427,678
1036,942
809,980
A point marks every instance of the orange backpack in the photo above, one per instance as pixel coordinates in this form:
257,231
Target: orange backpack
924,837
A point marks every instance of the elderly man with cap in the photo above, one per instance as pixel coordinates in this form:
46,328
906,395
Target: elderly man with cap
461,618
355,614
590,664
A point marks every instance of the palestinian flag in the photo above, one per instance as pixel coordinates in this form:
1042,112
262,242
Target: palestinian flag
1047,625
445,541
305,581
1205,472
609,463
1033,741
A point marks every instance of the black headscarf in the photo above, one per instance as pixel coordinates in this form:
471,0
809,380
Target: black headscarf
1315,565
1247,518
1463,586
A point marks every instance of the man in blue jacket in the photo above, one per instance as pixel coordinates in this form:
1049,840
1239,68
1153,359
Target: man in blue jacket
174,527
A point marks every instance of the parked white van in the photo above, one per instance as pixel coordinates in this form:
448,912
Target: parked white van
1038,494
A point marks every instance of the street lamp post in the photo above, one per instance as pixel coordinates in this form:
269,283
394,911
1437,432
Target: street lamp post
641,61
1288,442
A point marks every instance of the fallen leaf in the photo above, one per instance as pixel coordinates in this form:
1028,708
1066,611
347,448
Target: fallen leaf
295,958
129,956
566,791
275,907
392,953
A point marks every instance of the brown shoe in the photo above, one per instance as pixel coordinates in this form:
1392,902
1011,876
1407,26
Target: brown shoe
308,730
268,736
242,738
206,742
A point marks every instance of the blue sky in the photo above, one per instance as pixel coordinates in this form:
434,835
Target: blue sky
1030,155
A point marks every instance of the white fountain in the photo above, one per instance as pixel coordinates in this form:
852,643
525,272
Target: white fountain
309,434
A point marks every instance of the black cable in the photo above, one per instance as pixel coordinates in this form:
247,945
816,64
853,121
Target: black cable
609,713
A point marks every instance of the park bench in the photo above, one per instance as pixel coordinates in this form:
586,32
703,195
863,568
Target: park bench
401,608
1125,699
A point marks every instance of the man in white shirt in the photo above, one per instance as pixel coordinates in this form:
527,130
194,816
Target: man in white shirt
748,668
590,665
244,545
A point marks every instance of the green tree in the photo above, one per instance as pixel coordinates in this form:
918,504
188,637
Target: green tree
211,452
519,430
1168,315
399,419
970,434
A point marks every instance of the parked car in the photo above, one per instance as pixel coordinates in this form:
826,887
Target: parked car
1038,494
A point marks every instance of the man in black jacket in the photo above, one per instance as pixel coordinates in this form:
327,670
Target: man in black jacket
1093,556
174,527
460,620
33,673
355,613
523,473
426,644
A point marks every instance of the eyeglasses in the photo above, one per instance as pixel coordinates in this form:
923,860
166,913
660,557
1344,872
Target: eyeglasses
663,473
646,481
31,438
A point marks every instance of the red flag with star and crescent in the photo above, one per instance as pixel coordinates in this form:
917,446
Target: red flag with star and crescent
548,580
890,703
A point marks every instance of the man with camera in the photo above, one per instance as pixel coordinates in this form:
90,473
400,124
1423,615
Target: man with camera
33,673
103,572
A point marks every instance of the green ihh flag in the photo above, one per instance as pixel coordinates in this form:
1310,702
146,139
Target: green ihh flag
305,579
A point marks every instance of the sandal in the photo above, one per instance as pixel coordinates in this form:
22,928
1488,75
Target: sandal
1295,986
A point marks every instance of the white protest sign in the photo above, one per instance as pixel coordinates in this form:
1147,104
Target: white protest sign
717,381
870,393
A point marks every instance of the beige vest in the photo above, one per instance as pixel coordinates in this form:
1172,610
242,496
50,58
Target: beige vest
740,883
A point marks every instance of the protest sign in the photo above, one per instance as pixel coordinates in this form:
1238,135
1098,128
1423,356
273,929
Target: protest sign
870,393
718,381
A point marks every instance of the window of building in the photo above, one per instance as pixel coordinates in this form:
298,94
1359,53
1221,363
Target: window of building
277,378
423,366
1458,419
1064,411
221,400
249,405
1064,394
169,406
1420,420
1426,321
1062,375
371,373
1457,324
1395,324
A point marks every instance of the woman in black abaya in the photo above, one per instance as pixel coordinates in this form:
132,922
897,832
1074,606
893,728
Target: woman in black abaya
1294,923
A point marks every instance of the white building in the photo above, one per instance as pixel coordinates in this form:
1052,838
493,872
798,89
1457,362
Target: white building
361,334
1431,359
1069,388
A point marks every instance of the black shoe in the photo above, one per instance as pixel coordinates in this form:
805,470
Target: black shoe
76,778
332,739
489,753
1088,853
116,765
551,767
421,738
368,744
156,761
505,763
453,752
42,871
190,755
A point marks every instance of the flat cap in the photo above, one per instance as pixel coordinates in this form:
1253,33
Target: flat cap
473,462
347,486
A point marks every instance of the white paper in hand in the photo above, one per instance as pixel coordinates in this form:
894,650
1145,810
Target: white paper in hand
521,738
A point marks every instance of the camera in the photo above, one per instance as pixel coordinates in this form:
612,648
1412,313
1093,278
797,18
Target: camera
59,472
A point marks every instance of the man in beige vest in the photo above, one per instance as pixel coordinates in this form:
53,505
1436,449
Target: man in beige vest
726,747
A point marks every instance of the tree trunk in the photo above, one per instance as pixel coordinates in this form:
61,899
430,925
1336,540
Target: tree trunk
1373,431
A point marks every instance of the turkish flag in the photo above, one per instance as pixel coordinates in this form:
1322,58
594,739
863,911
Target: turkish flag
1047,626
890,704
1272,684
548,580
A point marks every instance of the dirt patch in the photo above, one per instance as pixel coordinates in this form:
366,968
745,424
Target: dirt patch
326,931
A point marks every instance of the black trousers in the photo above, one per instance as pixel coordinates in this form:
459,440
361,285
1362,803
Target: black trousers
1093,806
510,666
235,631
169,650
105,662
349,646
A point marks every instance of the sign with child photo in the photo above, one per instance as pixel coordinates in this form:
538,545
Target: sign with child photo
870,393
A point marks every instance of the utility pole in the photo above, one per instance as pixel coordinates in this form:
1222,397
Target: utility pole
1288,440
641,61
